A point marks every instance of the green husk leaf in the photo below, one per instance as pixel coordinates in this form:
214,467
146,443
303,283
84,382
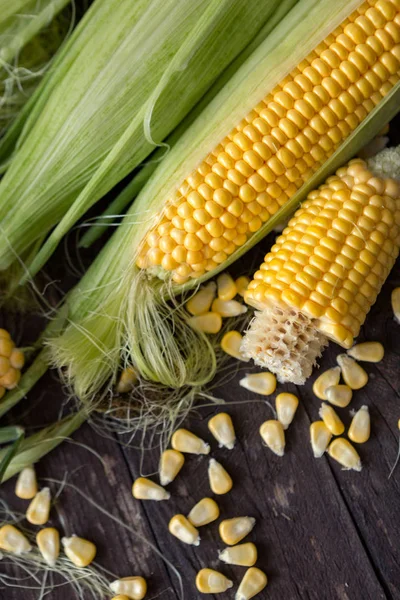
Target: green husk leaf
16,435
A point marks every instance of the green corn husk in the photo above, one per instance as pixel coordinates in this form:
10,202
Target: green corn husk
106,106
119,315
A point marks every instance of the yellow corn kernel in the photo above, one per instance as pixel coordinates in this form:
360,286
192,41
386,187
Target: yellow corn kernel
345,454
204,512
230,344
186,441
228,308
201,302
210,322
12,540
367,351
286,406
243,555
11,379
396,304
273,434
171,462
360,427
127,380
324,381
182,529
253,582
39,509
48,541
320,436
145,489
331,419
26,486
133,588
209,581
80,552
6,347
339,395
17,359
241,284
221,427
120,597
4,334
226,287
353,374
219,479
232,531
259,383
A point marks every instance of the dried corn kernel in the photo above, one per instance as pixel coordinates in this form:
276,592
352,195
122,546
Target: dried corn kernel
226,287
360,427
241,284
133,588
182,529
243,555
395,298
210,322
17,359
80,552
14,541
220,480
274,436
354,375
209,581
259,383
228,308
145,489
324,381
345,454
186,441
331,419
232,531
367,351
127,381
171,463
201,302
339,395
221,427
320,436
48,541
230,344
39,509
253,582
286,406
26,486
204,512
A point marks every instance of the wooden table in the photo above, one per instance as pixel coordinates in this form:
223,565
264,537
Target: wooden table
322,533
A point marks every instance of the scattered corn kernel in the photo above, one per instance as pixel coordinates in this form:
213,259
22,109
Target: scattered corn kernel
259,383
39,509
220,480
133,588
325,380
230,344
273,434
232,531
182,529
367,351
204,512
13,540
171,462
253,582
228,308
339,395
331,419
241,284
201,302
320,437
26,486
360,427
345,454
145,489
243,555
226,287
396,304
209,581
48,541
353,374
127,380
17,359
210,322
286,406
221,427
80,552
186,441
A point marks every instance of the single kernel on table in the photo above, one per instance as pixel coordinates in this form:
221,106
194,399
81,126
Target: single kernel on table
259,383
145,489
253,582
14,541
39,509
228,308
286,406
345,454
209,581
331,419
204,512
242,555
48,541
210,322
273,434
182,529
230,344
326,380
26,486
220,480
396,304
360,427
133,588
221,427
367,351
339,395
320,436
171,462
226,287
127,381
201,301
353,374
242,284
232,531
189,443
80,552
